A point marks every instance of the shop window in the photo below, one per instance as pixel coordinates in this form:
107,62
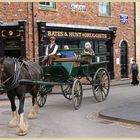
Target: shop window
12,44
101,50
47,5
104,9
102,47
82,44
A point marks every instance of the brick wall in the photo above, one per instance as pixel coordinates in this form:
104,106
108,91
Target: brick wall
138,34
63,14
13,11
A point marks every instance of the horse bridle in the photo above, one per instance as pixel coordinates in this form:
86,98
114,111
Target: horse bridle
1,74
14,83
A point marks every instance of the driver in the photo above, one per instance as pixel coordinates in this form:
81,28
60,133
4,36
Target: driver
51,50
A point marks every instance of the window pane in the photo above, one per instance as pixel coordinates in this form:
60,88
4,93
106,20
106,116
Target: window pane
96,47
102,47
42,3
48,5
104,8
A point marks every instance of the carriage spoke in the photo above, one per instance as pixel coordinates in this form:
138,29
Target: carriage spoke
104,87
104,93
66,90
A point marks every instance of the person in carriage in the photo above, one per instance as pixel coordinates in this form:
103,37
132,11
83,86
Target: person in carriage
87,54
67,54
50,52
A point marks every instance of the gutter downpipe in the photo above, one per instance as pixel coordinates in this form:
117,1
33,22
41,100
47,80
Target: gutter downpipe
33,38
135,28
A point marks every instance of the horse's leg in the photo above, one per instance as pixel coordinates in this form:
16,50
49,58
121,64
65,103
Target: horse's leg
14,121
23,127
34,111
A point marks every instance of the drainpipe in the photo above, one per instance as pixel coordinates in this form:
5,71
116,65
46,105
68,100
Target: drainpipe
135,28
33,37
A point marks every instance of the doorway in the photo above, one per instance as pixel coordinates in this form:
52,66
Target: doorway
124,59
12,53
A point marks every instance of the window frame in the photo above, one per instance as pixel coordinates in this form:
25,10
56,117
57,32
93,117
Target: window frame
108,9
45,6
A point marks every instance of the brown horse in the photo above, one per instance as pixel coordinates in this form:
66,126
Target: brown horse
11,72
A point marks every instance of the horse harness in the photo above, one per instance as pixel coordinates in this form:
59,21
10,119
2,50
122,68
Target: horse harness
15,77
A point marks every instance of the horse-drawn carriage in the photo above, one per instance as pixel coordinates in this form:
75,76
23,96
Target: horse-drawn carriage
18,78
67,73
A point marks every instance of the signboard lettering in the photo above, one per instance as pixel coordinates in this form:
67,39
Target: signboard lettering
75,34
77,7
10,33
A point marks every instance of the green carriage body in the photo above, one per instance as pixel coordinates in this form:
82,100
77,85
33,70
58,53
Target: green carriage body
61,69
68,69
67,74
90,69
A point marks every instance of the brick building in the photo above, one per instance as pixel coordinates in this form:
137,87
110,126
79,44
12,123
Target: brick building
25,29
138,34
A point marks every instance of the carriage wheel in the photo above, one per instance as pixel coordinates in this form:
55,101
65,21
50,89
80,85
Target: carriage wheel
77,94
41,96
101,84
67,90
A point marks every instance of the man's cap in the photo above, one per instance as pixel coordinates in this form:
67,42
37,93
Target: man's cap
52,38
134,60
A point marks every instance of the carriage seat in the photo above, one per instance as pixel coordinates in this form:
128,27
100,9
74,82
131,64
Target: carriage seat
69,64
65,59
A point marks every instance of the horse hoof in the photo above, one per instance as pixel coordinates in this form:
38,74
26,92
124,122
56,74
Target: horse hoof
13,124
23,130
32,116
23,133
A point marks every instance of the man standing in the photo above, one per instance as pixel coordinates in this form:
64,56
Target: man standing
134,71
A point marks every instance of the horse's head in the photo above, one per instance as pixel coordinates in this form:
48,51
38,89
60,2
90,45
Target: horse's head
6,70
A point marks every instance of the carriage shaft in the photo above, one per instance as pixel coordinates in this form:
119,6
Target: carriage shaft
41,82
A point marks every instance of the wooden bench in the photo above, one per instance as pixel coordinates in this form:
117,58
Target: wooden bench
76,61
71,49
65,59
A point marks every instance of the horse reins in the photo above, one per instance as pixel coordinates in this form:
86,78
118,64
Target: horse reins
2,70
15,77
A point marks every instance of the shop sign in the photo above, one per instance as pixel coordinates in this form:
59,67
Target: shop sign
123,18
9,33
77,7
75,34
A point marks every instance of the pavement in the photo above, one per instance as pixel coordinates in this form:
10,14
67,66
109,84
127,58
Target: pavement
129,113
